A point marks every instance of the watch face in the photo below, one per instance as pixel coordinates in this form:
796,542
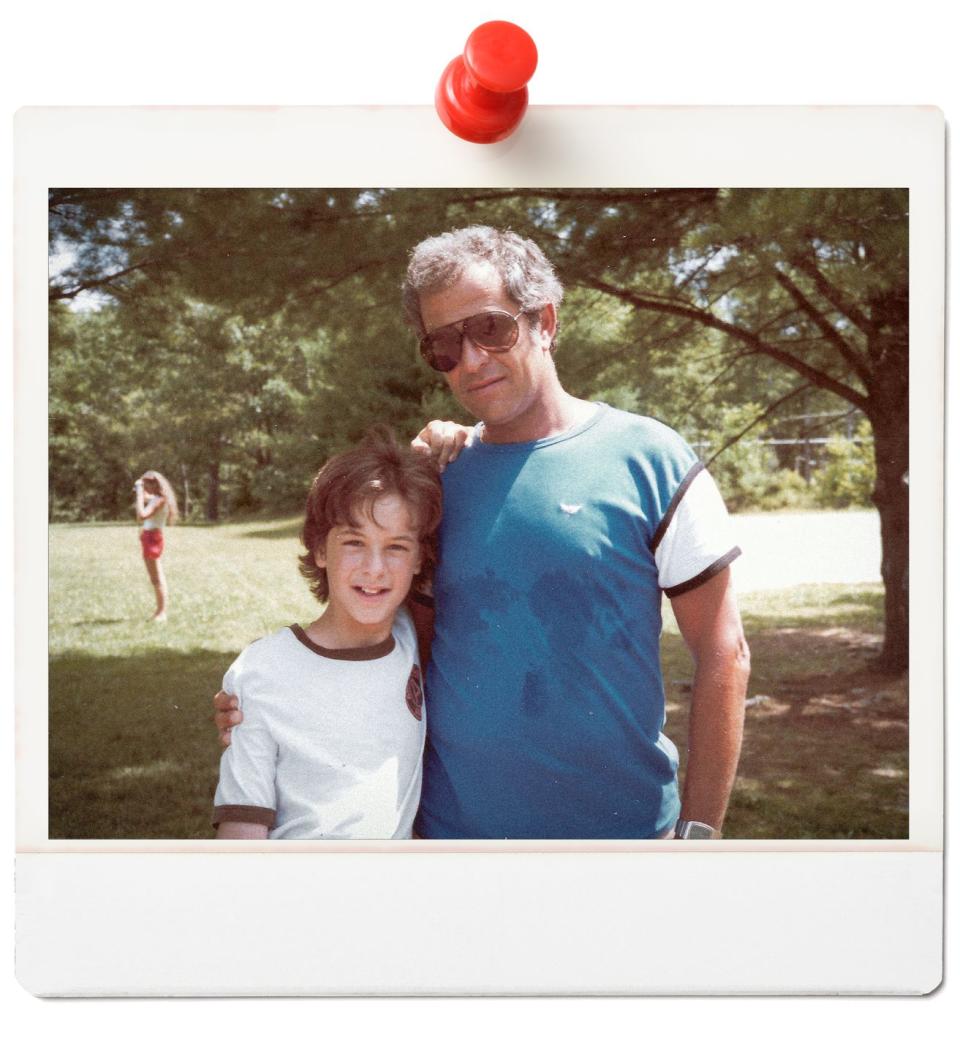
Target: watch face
690,830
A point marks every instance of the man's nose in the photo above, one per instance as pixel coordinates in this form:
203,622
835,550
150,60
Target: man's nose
472,357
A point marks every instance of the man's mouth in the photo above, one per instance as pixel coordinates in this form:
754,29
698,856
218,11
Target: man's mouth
367,590
483,385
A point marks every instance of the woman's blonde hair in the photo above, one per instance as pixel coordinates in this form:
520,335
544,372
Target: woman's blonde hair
166,492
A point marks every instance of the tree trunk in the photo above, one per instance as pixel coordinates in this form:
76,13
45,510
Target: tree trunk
892,498
185,486
890,418
213,491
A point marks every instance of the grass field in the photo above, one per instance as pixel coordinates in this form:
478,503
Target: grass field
133,753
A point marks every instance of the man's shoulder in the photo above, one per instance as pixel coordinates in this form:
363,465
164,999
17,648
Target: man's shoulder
646,436
638,424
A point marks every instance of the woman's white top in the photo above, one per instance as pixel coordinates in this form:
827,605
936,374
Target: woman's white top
157,519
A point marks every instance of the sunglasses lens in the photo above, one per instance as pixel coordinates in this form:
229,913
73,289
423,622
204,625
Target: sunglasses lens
444,363
441,350
491,331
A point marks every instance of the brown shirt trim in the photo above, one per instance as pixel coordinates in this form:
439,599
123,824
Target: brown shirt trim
244,813
346,654
674,504
705,575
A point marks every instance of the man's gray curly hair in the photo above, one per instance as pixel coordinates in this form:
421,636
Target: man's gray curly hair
437,263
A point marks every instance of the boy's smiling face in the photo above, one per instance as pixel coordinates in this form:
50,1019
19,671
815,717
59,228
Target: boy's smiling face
370,567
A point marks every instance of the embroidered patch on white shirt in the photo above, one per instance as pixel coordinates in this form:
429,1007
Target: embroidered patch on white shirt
571,510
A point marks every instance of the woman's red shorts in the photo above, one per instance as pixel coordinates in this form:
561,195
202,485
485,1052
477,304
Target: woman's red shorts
151,541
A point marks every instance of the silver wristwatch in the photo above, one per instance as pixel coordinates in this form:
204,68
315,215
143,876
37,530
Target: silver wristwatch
691,830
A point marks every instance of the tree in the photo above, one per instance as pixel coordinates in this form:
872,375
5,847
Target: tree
813,282
90,375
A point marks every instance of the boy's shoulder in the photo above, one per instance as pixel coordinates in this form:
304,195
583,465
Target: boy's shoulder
278,639
265,649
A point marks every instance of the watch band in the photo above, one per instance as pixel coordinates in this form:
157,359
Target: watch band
691,830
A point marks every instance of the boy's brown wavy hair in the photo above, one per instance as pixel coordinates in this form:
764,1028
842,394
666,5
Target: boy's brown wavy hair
353,481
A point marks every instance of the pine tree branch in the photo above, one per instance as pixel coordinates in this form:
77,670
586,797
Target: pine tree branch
98,283
820,320
615,197
713,380
763,416
833,296
763,347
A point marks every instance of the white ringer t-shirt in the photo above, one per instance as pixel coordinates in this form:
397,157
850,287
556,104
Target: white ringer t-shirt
331,742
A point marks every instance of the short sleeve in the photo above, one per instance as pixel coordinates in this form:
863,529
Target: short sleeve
246,792
694,540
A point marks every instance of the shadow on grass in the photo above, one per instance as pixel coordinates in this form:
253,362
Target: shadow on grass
133,751
825,748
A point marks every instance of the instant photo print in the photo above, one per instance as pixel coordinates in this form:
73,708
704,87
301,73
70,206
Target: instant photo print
216,294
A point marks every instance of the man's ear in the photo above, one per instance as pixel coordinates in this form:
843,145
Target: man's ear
548,324
320,557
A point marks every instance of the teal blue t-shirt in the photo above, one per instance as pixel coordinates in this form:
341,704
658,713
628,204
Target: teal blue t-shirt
545,702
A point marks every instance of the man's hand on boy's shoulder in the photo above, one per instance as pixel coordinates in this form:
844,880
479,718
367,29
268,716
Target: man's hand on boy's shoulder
226,714
442,440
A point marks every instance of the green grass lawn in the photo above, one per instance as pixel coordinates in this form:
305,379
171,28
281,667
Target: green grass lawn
133,752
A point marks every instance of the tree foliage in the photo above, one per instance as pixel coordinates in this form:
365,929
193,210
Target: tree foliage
234,338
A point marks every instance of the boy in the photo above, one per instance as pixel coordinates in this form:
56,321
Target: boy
332,737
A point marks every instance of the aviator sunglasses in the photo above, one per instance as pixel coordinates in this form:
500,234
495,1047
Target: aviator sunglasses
494,331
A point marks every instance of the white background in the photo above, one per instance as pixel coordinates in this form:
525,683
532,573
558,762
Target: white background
696,52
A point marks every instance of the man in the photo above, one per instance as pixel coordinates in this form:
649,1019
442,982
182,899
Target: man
564,520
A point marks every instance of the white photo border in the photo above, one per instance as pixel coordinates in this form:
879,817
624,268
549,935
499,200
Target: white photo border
476,917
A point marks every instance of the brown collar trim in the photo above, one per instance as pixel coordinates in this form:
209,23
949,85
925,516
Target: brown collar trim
346,654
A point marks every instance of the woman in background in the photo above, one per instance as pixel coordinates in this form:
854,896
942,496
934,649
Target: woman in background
156,507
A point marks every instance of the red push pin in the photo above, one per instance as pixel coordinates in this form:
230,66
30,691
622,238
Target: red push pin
482,95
